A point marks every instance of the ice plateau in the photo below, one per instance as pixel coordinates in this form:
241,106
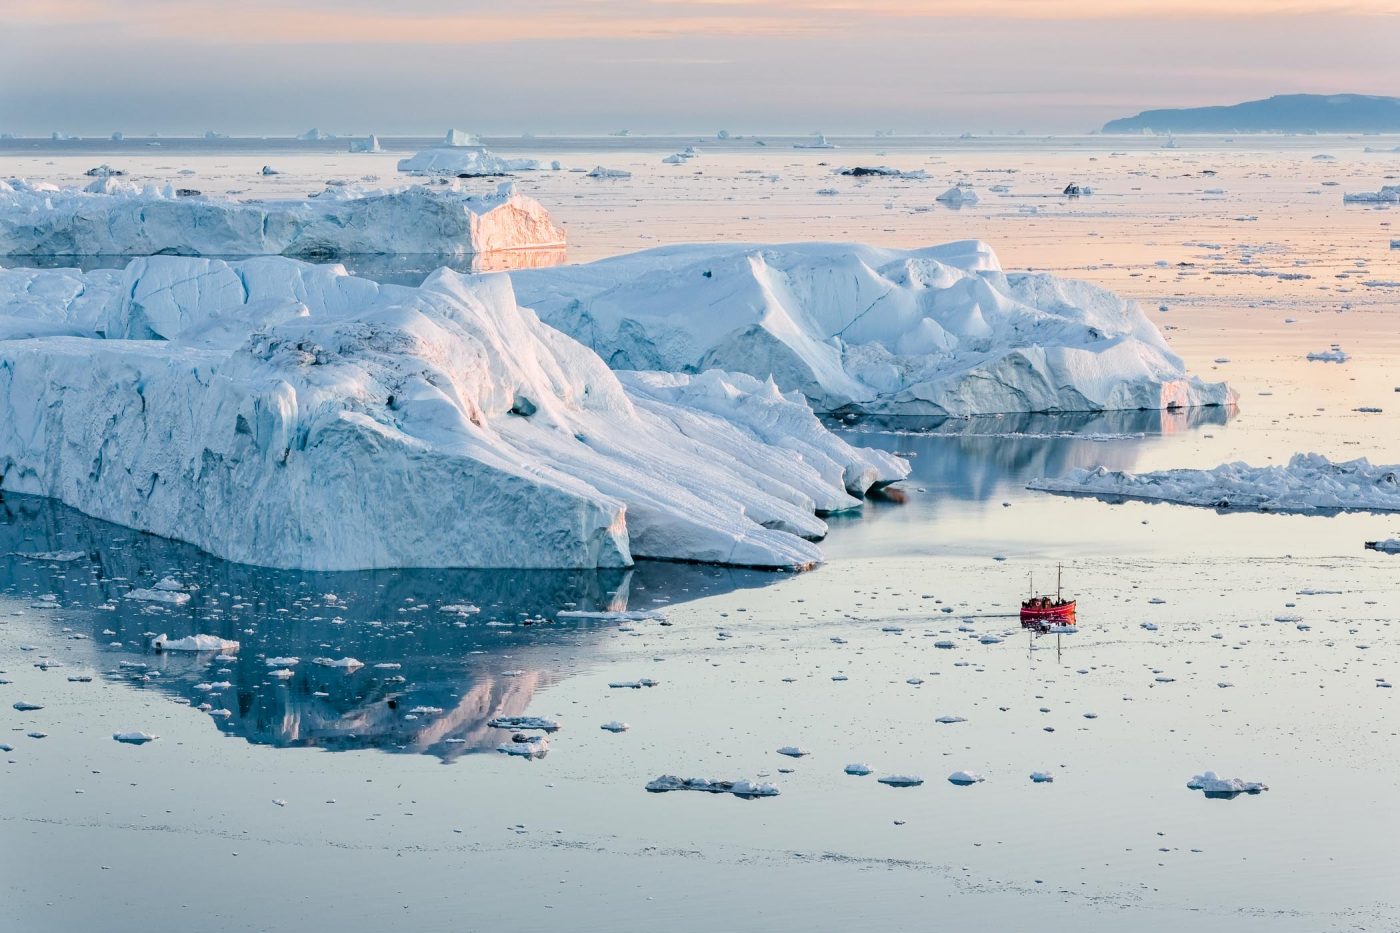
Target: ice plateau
285,414
935,331
110,217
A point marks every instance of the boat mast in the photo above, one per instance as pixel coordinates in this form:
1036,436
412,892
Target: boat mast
1059,573
1031,575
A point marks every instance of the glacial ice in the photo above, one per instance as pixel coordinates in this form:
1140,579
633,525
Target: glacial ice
463,160
1308,483
114,218
278,413
198,643
1224,787
934,331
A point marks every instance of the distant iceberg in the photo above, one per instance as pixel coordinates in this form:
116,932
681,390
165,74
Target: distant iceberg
366,145
1388,194
934,331
283,414
1308,483
464,161
113,218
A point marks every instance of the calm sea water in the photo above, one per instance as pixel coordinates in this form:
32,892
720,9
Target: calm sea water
373,797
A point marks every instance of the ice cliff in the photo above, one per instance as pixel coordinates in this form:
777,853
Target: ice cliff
114,218
284,414
934,331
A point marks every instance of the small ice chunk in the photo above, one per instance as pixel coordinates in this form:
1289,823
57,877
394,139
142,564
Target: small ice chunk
523,722
193,643
964,778
901,780
860,770
134,738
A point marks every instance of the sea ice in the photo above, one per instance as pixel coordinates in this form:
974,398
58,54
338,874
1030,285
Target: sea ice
1220,787
1308,483
524,723
901,780
283,414
114,218
934,331
669,782
194,643
965,777
134,738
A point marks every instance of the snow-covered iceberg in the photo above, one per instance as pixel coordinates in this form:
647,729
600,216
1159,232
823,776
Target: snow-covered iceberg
278,413
934,331
1308,483
114,218
464,161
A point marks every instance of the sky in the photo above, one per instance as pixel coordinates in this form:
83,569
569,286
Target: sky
415,67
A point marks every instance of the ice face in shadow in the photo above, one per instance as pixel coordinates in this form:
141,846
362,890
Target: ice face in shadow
431,677
926,332
291,415
112,217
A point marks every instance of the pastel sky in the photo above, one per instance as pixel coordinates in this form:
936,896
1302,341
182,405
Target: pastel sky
569,66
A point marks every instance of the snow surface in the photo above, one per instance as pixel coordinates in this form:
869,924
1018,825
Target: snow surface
114,218
1309,482
933,331
283,414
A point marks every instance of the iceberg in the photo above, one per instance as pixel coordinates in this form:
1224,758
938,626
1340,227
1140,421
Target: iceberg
278,413
366,145
464,162
1308,483
860,329
1388,194
957,196
113,218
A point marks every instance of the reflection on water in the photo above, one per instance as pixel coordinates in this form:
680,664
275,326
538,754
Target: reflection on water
399,269
978,458
431,678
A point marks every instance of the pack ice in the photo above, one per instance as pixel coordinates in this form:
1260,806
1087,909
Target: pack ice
114,218
1309,482
284,414
934,331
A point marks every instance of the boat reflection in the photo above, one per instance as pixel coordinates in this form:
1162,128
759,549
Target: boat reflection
430,679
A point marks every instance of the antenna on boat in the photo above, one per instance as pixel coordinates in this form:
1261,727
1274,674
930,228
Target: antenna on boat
1059,574
1031,576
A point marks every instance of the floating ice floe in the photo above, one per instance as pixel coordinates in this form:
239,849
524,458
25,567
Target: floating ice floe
1334,355
792,751
524,723
965,778
1388,546
1214,786
60,557
193,643
348,664
1042,777
934,331
174,595
601,172
612,615
114,218
615,726
865,171
859,770
901,780
958,196
949,720
526,746
1388,194
669,782
461,609
284,414
633,684
1308,483
282,662
134,738
24,706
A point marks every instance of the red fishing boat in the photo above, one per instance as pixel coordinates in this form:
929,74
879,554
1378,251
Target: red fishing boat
1043,612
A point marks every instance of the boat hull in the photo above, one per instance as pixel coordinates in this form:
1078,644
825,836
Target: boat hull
1051,615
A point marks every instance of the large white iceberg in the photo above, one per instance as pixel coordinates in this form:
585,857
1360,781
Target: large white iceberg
934,331
114,218
462,154
464,161
1308,483
278,413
